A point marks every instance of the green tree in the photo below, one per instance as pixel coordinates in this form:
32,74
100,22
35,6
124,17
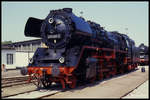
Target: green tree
6,42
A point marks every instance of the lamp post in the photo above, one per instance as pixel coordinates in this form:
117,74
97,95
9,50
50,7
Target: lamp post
81,13
126,30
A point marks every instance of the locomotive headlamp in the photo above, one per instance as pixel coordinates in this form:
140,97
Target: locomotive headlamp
30,60
50,20
61,59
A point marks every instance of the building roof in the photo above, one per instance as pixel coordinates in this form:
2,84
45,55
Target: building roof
24,42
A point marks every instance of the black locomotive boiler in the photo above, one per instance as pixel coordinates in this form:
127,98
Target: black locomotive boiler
76,50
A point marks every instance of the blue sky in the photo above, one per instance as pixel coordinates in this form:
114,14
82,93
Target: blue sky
114,16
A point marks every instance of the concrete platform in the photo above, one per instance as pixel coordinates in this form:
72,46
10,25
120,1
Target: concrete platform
140,92
111,88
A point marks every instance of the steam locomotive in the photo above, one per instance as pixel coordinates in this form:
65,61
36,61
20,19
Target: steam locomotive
76,50
143,54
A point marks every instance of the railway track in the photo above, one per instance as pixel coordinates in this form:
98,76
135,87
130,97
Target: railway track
11,81
42,93
37,93
55,89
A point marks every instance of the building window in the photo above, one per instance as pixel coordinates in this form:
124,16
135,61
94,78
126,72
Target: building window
9,59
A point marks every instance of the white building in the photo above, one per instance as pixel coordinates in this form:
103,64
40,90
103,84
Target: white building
18,54
22,58
8,57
